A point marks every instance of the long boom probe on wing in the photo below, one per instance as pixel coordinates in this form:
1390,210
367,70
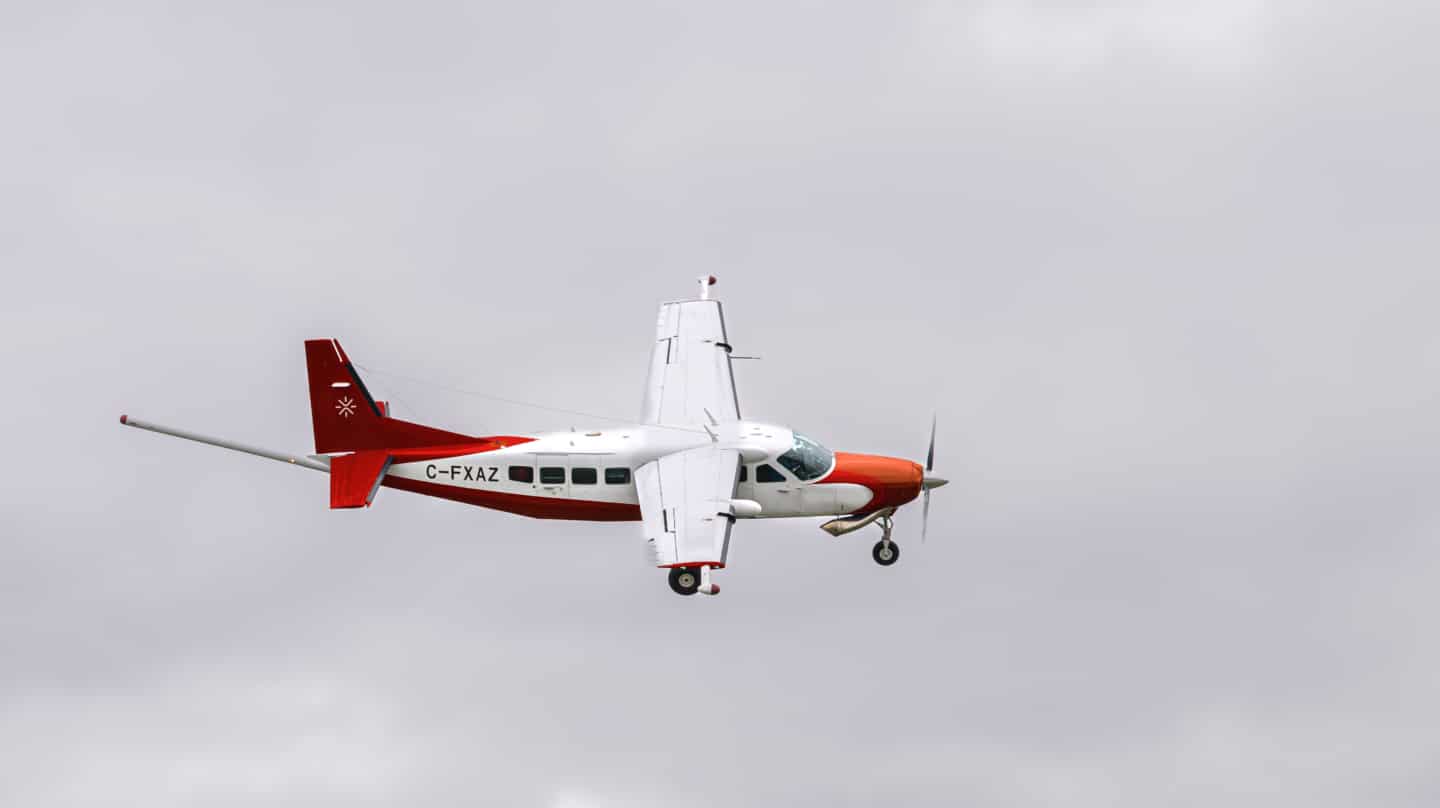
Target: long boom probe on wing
294,460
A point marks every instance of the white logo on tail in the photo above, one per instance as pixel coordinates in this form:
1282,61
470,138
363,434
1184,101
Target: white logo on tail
346,406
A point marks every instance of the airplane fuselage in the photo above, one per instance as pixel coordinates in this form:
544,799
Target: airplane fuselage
591,475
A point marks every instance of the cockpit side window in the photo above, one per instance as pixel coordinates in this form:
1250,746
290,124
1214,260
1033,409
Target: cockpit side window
766,473
807,459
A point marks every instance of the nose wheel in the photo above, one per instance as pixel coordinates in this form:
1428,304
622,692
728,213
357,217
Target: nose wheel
885,552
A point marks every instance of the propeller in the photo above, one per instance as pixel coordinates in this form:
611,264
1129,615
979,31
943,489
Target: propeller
929,482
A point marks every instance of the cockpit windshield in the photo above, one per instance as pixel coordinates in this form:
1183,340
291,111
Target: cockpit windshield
807,459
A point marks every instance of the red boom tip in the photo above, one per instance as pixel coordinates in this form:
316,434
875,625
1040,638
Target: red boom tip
122,419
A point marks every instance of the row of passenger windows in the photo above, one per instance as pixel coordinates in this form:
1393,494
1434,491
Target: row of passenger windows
581,475
555,475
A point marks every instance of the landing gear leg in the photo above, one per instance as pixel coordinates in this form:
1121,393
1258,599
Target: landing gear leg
684,580
885,552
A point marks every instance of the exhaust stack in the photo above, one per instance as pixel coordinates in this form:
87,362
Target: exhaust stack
850,524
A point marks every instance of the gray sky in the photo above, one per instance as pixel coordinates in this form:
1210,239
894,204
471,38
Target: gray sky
1165,270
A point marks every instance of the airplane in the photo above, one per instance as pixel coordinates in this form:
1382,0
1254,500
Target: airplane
688,470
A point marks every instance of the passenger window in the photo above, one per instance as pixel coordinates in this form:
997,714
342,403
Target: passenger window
744,473
522,474
582,476
617,476
764,473
552,475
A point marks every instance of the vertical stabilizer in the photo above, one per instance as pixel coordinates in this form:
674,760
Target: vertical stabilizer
346,418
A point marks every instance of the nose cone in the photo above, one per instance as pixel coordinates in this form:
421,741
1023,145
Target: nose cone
891,480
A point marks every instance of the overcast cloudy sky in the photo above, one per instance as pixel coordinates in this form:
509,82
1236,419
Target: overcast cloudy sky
1166,271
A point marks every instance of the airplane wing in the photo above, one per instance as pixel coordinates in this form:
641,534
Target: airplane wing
685,505
690,367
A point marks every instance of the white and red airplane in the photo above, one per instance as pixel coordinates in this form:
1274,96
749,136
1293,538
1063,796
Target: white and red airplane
687,470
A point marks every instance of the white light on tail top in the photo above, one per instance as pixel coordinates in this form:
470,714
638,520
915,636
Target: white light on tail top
340,384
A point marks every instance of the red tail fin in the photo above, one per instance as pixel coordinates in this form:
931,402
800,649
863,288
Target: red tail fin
347,418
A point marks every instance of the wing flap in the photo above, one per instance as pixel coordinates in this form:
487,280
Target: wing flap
685,505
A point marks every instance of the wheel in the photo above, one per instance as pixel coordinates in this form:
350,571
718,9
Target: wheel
885,553
684,580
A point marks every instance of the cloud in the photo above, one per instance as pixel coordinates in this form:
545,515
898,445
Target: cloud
1222,37
1165,272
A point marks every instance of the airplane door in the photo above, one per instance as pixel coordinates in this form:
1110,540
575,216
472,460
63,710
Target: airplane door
552,475
777,494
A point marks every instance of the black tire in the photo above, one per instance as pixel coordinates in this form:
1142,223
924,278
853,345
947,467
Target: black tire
684,580
885,555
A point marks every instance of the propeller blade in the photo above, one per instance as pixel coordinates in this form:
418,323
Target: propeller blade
925,517
930,455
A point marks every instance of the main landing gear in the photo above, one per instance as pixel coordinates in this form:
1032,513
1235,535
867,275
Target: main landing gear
689,580
885,552
684,580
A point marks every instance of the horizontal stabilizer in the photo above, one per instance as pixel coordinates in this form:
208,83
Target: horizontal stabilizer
354,478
